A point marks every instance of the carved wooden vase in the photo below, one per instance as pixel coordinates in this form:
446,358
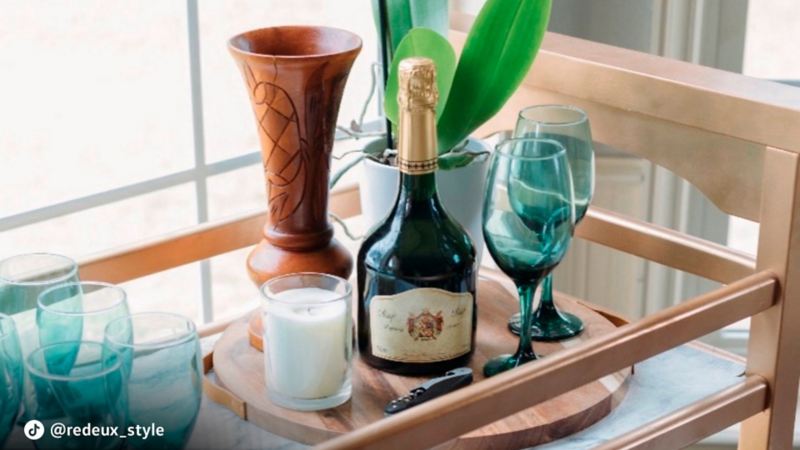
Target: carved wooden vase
295,76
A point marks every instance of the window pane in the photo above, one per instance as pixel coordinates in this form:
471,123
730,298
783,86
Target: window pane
236,192
106,226
94,96
771,40
233,291
230,127
176,290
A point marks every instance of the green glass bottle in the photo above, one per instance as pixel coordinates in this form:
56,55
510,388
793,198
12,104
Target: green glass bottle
416,270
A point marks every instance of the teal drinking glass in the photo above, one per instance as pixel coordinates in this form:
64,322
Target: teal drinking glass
528,221
163,368
22,279
11,376
569,126
75,312
75,384
79,311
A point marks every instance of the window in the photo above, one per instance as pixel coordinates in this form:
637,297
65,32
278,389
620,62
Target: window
123,121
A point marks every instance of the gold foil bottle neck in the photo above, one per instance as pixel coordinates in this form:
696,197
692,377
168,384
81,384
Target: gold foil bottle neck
417,84
417,96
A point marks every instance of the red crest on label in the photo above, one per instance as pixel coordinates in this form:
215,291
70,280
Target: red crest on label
425,326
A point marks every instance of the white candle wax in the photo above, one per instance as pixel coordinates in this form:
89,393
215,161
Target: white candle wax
307,343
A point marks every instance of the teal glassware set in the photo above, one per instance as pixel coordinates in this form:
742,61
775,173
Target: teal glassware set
540,185
72,354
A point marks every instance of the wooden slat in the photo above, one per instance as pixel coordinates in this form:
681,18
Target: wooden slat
686,151
196,243
773,351
445,418
345,201
173,250
665,246
698,420
617,231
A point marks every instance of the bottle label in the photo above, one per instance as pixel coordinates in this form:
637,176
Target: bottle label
421,325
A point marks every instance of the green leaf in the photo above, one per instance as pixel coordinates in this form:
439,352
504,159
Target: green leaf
497,55
403,15
422,42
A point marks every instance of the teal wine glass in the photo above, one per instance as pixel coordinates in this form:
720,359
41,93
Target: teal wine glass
528,220
22,279
163,368
569,126
11,374
76,389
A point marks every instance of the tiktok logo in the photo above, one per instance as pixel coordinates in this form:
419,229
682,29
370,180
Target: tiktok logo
34,430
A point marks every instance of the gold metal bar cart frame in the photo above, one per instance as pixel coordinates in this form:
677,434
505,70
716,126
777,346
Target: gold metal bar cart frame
735,138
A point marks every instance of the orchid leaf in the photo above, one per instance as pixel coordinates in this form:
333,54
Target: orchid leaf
428,43
403,15
498,53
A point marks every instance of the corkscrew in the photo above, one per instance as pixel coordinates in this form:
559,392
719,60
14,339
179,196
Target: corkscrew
435,387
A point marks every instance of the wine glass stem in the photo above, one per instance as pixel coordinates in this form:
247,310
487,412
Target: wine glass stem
547,304
525,348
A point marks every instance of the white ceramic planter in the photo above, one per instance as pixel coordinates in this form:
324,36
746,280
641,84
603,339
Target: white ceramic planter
460,190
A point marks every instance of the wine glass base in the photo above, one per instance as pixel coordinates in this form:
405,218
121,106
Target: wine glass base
505,362
562,326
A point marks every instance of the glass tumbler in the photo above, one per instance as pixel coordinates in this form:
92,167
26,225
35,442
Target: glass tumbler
163,370
22,279
79,311
76,384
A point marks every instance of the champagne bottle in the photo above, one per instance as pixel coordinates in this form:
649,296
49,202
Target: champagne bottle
416,270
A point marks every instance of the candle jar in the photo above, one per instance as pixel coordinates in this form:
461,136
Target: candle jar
307,340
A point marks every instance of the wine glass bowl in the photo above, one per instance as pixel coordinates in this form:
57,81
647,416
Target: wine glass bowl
569,126
528,221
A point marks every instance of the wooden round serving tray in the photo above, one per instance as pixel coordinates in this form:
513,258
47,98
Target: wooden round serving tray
240,369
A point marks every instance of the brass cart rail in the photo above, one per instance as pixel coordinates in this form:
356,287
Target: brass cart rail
733,137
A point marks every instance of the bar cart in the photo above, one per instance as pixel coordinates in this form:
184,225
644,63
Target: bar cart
732,137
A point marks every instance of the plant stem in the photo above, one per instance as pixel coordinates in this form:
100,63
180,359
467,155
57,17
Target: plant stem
385,42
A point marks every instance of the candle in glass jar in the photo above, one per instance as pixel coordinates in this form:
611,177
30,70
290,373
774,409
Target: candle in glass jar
306,338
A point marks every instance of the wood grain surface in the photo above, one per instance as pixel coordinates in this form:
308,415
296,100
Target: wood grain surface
240,369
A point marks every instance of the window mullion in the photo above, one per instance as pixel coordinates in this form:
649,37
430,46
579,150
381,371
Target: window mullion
201,182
